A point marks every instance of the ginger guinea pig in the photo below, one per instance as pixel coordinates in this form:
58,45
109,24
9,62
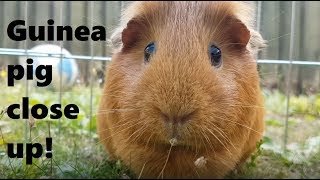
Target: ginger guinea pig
182,96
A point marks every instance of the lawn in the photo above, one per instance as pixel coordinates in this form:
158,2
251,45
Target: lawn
77,152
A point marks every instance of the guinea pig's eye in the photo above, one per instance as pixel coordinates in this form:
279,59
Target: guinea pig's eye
215,56
148,51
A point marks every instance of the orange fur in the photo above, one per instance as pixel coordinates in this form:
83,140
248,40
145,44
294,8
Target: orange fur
223,108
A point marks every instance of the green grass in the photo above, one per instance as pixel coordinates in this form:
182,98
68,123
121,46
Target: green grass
77,157
77,152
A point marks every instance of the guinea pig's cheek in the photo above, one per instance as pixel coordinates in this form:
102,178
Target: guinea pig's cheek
228,84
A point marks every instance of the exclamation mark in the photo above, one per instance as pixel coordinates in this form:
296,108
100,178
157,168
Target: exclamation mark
49,147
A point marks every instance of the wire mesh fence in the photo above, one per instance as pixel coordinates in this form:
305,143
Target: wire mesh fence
93,57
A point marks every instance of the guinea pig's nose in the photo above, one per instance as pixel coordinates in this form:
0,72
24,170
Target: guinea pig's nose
177,119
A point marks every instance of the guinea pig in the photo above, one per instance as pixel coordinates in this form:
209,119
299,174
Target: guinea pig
182,96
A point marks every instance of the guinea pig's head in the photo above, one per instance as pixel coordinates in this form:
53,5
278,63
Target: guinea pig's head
185,70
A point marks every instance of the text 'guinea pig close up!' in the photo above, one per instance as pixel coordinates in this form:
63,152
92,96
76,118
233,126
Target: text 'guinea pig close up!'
182,96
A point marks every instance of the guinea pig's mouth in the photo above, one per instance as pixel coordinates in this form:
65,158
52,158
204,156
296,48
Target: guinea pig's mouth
178,142
174,142
175,134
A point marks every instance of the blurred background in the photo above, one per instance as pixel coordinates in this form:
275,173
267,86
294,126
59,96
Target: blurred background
289,71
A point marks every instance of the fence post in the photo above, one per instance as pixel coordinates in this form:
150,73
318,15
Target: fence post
288,83
91,67
27,56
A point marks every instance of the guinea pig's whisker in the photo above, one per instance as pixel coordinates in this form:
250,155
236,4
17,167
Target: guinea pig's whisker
143,127
242,105
107,129
269,73
120,95
149,140
201,141
118,132
273,39
165,164
228,44
196,142
141,130
223,134
118,124
204,143
121,125
106,112
187,131
239,105
142,170
243,126
142,133
219,141
110,95
194,168
208,139
187,160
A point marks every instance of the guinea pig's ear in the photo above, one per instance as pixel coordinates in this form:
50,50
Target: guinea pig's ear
126,36
239,33
242,35
132,33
